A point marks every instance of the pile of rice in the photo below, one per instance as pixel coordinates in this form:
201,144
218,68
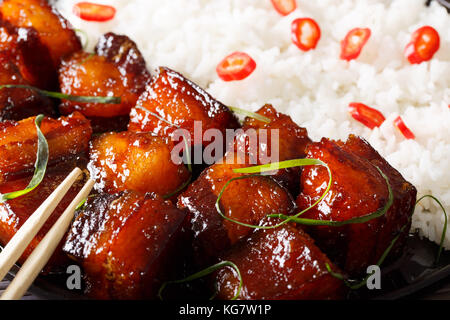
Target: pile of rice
313,87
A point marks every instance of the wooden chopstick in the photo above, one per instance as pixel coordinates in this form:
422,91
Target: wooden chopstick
20,241
44,250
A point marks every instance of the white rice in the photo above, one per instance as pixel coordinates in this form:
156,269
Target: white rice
313,87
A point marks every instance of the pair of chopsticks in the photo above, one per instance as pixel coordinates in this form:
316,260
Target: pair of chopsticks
44,250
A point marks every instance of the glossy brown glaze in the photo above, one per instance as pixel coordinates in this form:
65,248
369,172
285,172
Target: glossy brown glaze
117,69
292,141
126,244
246,200
13,213
124,53
180,102
282,136
54,31
358,189
278,264
67,137
17,103
135,161
32,58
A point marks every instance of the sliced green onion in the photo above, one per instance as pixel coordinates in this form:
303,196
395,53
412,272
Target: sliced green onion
59,95
444,230
250,114
204,273
40,165
360,284
86,37
81,205
295,218
157,117
267,168
380,212
189,166
170,195
87,58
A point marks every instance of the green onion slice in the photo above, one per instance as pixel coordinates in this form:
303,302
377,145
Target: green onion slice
157,116
444,230
204,273
257,171
357,285
250,114
380,212
85,36
40,165
59,95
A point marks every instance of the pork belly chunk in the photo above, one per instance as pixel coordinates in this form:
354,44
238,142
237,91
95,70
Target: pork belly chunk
18,103
279,140
135,161
117,69
126,244
24,48
278,264
67,137
14,213
247,200
292,141
54,31
358,189
178,103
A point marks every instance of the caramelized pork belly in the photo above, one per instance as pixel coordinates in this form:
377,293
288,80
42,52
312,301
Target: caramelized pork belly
14,213
66,137
126,243
32,58
19,103
246,200
358,189
54,31
278,264
281,139
124,53
118,69
178,102
135,161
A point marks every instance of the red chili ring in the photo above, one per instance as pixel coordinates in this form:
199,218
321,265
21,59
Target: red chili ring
284,7
305,33
424,43
353,43
94,12
236,66
368,116
401,126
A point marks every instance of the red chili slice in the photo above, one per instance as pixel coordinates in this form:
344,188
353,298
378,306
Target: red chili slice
284,7
305,33
368,116
424,43
353,43
94,12
401,126
236,66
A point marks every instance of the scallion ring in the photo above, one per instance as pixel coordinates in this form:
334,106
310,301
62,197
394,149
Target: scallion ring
203,273
59,95
40,165
250,114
